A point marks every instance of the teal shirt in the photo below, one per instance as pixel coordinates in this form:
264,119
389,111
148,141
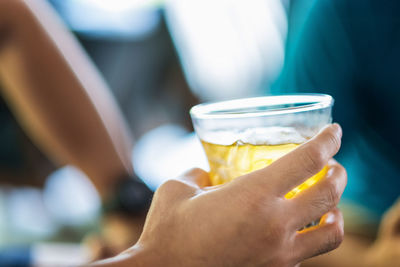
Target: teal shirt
351,50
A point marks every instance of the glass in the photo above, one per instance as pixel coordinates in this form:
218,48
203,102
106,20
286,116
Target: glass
244,135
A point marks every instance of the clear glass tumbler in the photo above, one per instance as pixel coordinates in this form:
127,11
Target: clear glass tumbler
244,135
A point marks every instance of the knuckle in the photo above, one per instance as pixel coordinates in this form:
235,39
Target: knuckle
314,159
340,169
276,233
321,204
260,208
337,236
328,198
253,204
340,174
277,226
343,172
334,239
332,193
333,140
281,229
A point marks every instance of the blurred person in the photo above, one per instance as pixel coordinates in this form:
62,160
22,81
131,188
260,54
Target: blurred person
64,105
350,50
129,43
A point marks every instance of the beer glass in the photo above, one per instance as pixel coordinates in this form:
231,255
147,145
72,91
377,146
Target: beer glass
244,135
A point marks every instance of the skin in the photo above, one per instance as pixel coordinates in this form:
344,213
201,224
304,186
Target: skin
247,222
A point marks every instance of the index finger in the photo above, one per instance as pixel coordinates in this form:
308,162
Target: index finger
196,177
300,164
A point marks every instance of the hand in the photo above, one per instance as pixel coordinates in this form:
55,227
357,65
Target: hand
247,222
385,252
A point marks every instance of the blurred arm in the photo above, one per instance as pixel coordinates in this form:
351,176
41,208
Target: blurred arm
57,94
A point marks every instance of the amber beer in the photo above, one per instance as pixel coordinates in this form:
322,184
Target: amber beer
256,149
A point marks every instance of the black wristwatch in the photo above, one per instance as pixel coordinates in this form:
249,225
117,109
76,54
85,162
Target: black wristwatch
131,196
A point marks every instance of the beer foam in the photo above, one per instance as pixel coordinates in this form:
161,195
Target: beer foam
257,136
272,136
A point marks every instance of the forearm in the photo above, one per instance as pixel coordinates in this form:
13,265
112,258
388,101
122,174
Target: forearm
58,96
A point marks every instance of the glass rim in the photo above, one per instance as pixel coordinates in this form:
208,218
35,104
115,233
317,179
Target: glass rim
224,109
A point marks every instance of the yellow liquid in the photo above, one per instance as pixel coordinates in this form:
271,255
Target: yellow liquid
230,161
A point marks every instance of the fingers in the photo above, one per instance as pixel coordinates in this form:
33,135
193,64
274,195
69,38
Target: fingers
294,168
196,177
313,202
320,239
186,186
307,160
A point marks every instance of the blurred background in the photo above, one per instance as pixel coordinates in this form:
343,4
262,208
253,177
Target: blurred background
159,58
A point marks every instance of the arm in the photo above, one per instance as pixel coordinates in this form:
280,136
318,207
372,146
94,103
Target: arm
247,222
57,94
